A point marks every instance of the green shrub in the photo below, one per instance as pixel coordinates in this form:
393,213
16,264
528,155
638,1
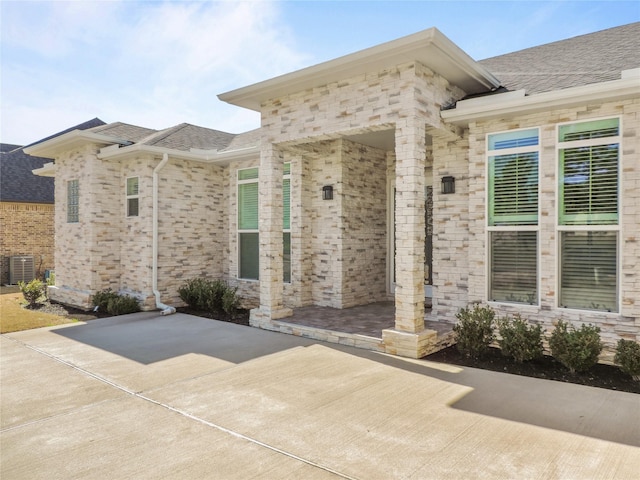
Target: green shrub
576,349
193,291
115,304
230,300
123,304
520,340
101,299
628,357
474,330
32,291
209,295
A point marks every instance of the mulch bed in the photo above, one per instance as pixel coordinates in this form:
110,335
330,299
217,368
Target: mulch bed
241,317
55,308
602,376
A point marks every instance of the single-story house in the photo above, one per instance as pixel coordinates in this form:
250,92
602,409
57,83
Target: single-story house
406,171
27,213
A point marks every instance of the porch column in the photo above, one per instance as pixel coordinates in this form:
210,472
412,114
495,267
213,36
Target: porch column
409,337
270,226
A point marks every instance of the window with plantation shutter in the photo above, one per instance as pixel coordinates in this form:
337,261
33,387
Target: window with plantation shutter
513,173
248,218
248,238
588,214
286,240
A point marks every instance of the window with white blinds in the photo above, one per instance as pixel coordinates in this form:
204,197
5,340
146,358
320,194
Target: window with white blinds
588,214
248,214
513,174
589,173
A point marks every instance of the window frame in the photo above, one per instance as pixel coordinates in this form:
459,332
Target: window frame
129,197
560,228
286,228
240,231
73,200
490,228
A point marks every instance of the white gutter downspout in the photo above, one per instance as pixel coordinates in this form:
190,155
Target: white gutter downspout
166,309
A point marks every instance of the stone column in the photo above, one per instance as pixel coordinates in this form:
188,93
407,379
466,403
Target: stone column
270,228
409,337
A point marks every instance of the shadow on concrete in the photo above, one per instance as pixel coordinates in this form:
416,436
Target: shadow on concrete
593,412
147,338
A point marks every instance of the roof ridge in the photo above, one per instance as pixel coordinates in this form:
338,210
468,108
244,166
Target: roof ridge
162,134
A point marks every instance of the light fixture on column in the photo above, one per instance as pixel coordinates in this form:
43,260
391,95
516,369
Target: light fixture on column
327,192
448,184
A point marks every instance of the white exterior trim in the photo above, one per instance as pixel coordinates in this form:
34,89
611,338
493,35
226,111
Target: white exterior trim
628,87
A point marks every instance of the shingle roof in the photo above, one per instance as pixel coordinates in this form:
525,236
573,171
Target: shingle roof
245,140
17,181
185,137
582,60
124,131
7,147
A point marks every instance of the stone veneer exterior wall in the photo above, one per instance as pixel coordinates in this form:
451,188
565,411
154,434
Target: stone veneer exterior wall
26,229
626,323
107,249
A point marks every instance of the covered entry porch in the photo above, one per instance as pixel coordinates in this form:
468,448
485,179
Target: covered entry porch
360,326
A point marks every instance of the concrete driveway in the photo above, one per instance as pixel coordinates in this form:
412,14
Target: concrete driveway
145,396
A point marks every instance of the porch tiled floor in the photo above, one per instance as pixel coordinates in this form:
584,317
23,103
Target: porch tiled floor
368,320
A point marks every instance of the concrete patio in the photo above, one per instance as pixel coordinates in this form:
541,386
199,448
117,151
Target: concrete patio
147,396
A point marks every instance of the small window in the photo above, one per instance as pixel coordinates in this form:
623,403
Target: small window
73,201
133,199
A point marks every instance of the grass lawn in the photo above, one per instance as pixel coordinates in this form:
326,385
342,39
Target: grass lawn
13,317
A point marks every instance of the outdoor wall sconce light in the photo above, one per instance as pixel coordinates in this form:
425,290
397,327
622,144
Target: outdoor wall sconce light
448,185
327,192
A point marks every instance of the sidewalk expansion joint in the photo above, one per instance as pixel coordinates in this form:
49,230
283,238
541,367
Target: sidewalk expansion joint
185,414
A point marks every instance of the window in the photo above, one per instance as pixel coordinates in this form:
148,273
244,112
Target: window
513,216
588,214
286,240
248,240
132,197
248,237
73,201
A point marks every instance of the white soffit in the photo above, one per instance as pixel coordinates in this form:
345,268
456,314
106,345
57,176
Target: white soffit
429,47
74,139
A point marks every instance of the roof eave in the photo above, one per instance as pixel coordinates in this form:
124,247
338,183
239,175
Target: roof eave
52,147
519,105
47,170
429,47
196,155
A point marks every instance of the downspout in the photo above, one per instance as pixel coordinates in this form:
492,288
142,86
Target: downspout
165,309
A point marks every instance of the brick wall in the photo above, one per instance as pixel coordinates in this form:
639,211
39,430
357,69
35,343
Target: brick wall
26,229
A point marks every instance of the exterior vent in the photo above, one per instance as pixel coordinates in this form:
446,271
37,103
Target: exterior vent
21,269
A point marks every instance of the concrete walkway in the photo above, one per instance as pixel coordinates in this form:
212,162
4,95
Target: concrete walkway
145,397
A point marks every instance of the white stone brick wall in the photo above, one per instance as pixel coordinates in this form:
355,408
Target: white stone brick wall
626,323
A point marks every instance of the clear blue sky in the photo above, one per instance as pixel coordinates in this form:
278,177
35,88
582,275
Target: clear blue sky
160,63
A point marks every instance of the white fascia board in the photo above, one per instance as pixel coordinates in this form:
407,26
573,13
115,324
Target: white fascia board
513,105
429,47
50,148
47,170
196,155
